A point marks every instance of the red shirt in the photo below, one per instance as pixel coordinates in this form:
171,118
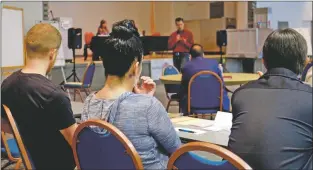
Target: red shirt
88,37
181,46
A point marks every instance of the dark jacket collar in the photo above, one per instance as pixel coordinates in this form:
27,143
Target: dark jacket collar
281,72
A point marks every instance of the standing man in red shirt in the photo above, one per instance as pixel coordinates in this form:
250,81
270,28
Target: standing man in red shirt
180,42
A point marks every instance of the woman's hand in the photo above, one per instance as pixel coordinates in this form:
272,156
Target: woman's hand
260,73
147,86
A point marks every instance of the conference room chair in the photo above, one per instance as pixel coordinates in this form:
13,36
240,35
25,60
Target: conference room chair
205,95
305,71
20,144
10,151
184,158
105,148
86,82
171,90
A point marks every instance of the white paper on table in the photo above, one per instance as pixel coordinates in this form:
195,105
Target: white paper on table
214,128
197,132
223,121
197,123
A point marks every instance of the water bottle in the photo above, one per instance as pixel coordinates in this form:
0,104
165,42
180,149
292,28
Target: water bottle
220,66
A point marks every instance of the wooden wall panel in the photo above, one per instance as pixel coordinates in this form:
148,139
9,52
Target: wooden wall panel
194,27
208,32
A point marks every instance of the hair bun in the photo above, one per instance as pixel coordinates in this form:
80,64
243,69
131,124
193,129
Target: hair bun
124,30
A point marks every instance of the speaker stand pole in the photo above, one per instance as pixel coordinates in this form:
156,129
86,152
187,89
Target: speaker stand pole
221,61
73,74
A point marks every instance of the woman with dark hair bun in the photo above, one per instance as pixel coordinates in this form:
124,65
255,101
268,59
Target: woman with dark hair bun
131,107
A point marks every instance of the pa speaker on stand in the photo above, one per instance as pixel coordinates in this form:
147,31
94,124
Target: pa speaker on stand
221,41
74,42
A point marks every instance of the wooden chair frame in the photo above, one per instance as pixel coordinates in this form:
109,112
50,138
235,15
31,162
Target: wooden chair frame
189,89
130,149
211,148
169,99
12,159
18,138
78,90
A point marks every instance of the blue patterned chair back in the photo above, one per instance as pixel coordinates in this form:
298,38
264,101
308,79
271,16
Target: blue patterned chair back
184,158
111,150
171,70
88,75
205,93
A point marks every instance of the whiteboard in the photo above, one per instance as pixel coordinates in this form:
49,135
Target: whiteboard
12,36
60,59
242,42
65,24
306,33
247,43
157,66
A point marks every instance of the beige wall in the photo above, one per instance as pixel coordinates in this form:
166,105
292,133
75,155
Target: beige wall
242,15
164,17
230,9
87,15
192,10
166,12
204,31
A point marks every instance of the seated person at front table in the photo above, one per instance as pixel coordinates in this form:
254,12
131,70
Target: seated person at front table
139,115
103,28
41,109
196,64
272,116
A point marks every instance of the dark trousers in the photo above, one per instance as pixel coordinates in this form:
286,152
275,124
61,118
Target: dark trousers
86,46
95,55
179,60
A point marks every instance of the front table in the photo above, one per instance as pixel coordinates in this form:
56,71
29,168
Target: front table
229,78
219,137
216,137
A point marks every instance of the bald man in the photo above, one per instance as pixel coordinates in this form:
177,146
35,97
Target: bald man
196,64
41,109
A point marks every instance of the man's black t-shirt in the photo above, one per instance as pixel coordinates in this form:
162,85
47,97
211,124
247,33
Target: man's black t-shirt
272,122
40,109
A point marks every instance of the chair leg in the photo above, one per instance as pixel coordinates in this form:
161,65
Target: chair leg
213,116
80,95
86,91
18,164
74,95
207,116
168,105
